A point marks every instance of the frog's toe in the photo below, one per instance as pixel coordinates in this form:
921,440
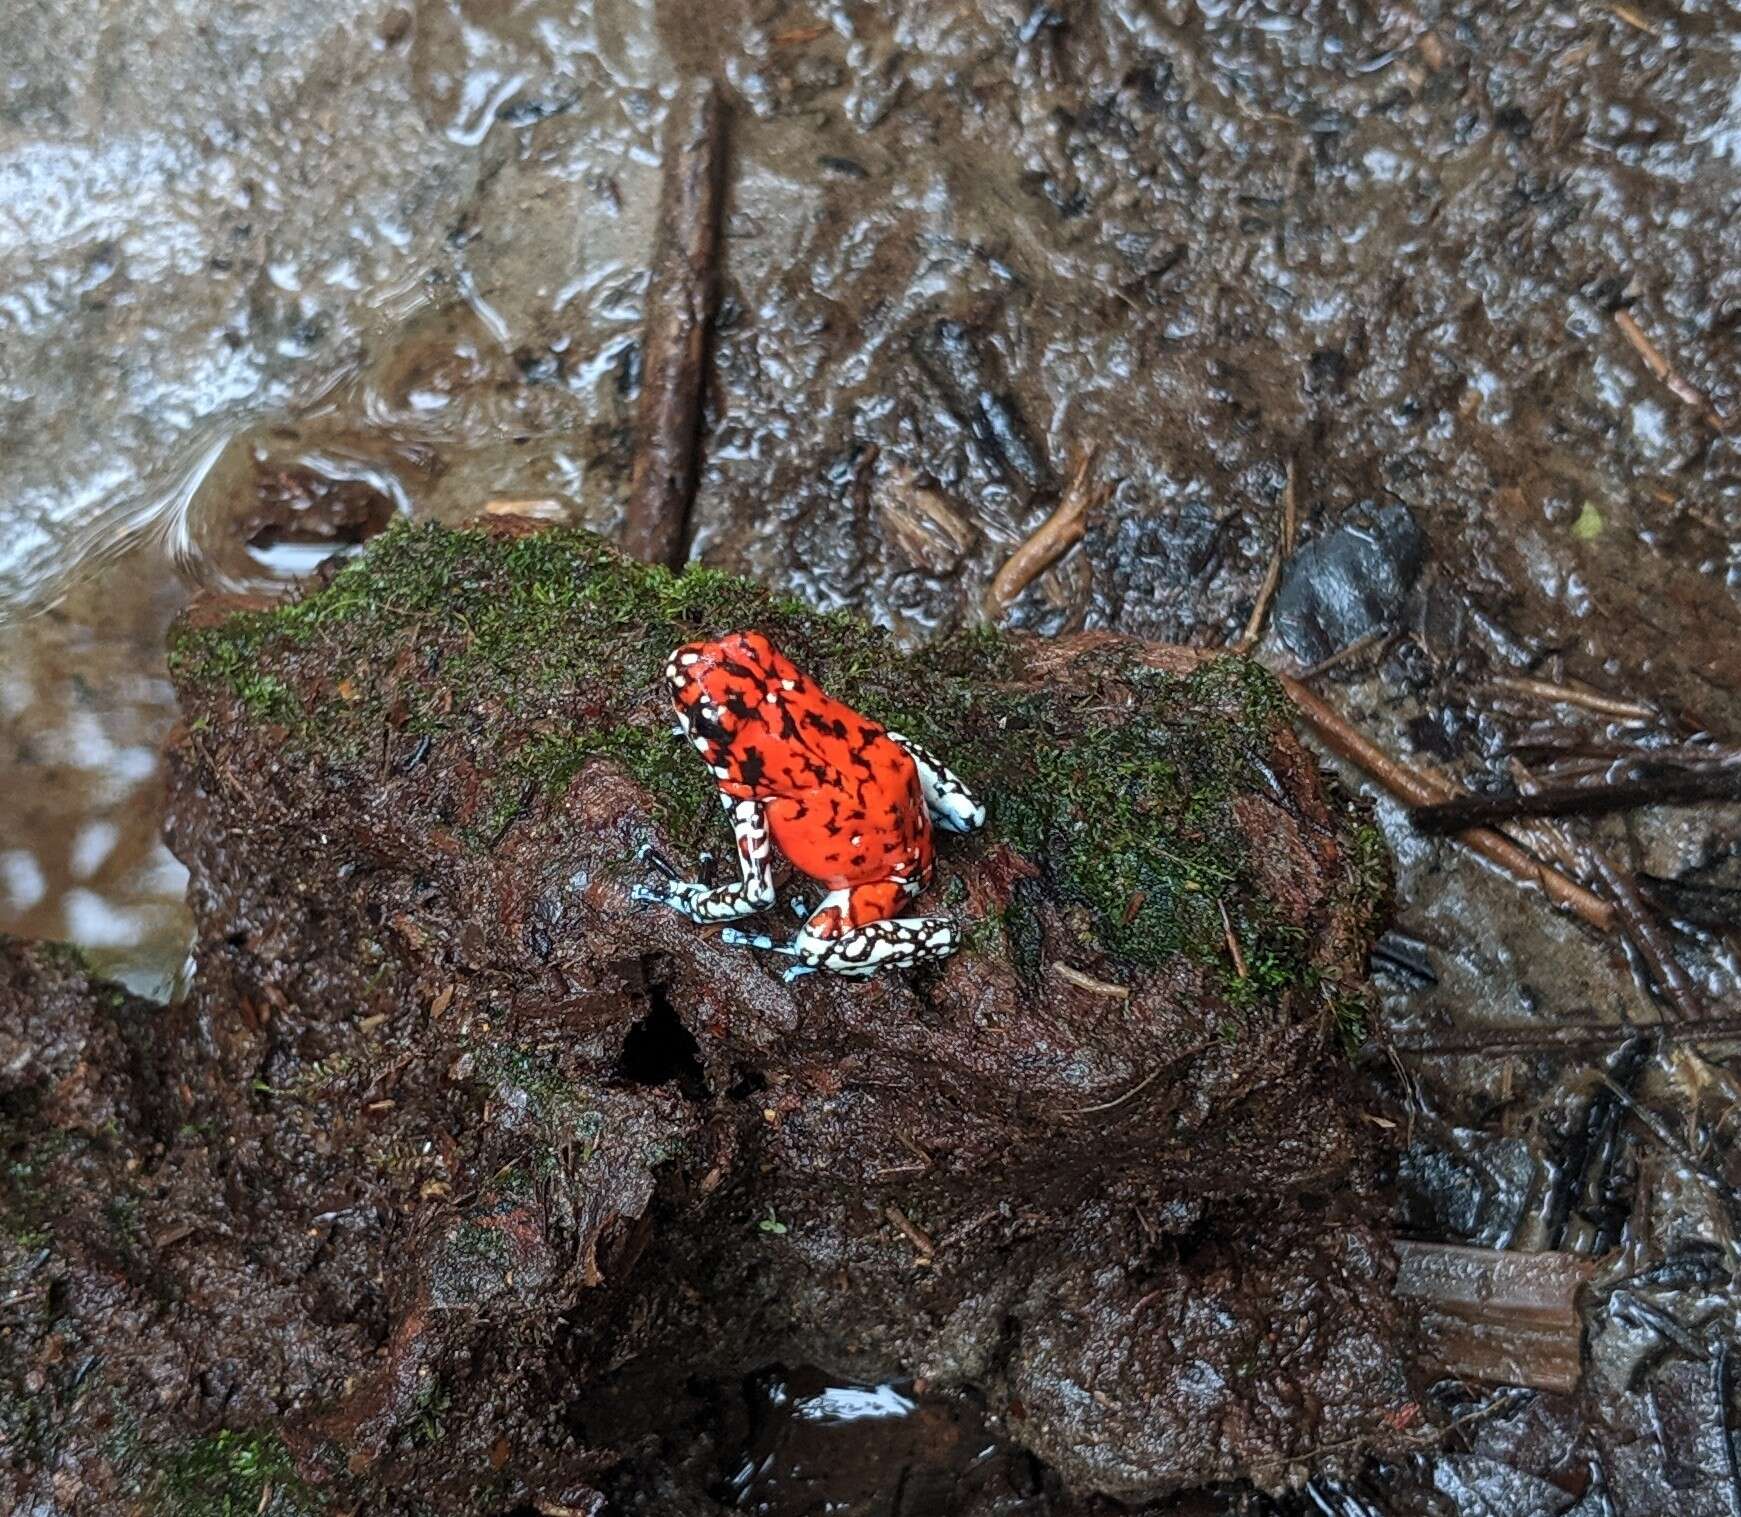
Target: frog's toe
797,972
800,908
738,938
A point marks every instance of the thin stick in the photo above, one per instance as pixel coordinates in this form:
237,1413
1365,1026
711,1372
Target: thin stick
1055,536
1376,641
1665,371
1135,1090
1633,19
1083,981
1247,640
1574,695
1572,1038
680,303
1232,942
1423,788
1674,789
1290,509
1273,576
921,1240
1641,929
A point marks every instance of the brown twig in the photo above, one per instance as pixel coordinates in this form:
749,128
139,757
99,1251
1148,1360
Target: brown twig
1247,640
1055,536
1423,788
1633,19
1674,788
1074,976
1373,642
1576,695
1291,509
680,303
1634,914
1642,931
1680,388
917,1236
1273,575
1232,942
1135,1090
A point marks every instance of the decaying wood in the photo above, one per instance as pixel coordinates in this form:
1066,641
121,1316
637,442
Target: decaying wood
680,304
1504,1317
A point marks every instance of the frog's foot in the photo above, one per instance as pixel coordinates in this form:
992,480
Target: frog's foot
701,901
892,943
953,807
830,940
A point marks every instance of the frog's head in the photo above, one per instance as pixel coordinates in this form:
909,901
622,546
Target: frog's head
717,685
740,663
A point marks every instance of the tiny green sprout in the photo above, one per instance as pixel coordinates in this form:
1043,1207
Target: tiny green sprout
771,1223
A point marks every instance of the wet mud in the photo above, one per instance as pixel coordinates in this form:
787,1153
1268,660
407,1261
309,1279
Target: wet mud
1459,289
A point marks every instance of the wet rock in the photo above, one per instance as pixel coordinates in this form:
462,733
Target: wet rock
488,1132
1351,583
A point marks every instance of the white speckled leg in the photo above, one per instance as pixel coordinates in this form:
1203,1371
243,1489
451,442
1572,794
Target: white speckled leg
951,804
725,903
858,952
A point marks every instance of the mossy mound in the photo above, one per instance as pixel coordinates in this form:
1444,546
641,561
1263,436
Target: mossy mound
542,652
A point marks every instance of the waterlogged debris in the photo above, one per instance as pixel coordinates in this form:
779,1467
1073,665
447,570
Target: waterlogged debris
1350,583
1504,1317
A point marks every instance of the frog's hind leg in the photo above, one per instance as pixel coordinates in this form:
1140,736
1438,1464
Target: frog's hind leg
752,892
952,805
852,933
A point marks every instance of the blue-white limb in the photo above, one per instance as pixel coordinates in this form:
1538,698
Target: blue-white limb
723,903
953,807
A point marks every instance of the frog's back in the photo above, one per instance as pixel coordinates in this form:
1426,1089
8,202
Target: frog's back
851,806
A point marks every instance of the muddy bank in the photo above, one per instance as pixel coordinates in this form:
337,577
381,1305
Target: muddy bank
455,1167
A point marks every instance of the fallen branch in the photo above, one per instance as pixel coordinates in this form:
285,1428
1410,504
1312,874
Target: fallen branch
1054,537
1661,787
1423,788
1680,388
680,304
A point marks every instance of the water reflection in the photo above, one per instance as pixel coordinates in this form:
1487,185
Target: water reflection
84,709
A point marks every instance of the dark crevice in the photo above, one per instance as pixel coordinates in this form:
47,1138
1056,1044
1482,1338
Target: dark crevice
660,1050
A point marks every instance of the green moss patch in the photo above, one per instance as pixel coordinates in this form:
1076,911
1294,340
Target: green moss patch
542,653
232,1475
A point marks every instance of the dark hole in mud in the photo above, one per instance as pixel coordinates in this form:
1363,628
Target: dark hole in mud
660,1050
748,1083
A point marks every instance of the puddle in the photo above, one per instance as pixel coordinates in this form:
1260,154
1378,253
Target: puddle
817,1445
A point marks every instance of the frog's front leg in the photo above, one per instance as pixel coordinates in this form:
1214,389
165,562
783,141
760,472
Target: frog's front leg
752,892
829,940
952,805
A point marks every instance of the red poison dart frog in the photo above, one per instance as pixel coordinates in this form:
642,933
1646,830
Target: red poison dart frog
849,803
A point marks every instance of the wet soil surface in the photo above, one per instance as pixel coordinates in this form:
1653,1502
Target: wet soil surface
272,276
